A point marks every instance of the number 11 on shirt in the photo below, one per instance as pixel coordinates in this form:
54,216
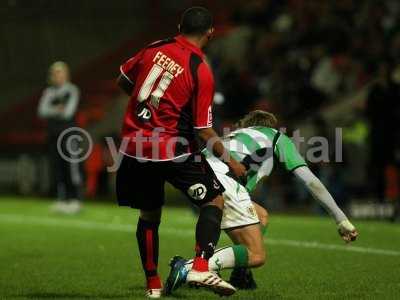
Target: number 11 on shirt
147,91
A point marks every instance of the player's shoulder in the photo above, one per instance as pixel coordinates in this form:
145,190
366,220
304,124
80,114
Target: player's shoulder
285,143
284,138
160,43
198,63
260,132
265,130
155,47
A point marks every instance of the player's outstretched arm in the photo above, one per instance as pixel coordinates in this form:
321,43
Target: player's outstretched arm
214,144
346,230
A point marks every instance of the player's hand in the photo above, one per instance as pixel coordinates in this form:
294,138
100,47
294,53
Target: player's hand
238,169
347,231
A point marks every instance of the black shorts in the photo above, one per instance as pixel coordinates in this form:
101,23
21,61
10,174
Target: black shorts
141,184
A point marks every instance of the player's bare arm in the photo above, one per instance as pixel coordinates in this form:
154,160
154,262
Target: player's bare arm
210,137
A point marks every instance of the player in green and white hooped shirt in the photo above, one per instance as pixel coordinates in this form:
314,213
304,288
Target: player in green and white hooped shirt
261,148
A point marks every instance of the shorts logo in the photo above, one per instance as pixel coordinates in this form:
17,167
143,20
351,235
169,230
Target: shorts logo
197,191
216,185
251,211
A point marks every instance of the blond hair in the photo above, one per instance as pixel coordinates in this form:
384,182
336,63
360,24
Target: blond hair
258,118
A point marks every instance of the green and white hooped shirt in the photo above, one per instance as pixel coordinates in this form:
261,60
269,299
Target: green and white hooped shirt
259,147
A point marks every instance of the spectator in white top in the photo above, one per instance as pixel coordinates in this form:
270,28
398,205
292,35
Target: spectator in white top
58,106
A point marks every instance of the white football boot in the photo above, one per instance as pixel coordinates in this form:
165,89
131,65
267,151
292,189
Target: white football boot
60,207
211,281
74,207
153,293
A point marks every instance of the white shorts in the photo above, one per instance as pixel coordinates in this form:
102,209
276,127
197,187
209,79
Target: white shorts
238,210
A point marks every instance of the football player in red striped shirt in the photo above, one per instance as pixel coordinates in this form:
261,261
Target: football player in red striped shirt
172,88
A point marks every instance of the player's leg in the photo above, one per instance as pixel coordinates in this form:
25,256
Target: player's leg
241,276
263,216
197,180
248,250
251,239
207,236
207,232
140,185
242,225
148,243
238,213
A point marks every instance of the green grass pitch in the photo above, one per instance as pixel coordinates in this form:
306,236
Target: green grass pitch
94,256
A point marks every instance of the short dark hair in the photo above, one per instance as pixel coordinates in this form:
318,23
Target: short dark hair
258,118
196,20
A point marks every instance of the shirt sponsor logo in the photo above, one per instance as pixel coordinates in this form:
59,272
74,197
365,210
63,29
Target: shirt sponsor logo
144,114
197,191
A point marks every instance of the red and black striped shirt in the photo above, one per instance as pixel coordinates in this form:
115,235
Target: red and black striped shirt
172,96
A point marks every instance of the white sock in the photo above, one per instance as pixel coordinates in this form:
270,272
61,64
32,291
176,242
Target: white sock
223,258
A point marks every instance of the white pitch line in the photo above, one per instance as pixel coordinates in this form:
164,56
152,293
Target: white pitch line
55,222
316,245
91,225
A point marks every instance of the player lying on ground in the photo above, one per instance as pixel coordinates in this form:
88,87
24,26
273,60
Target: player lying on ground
259,147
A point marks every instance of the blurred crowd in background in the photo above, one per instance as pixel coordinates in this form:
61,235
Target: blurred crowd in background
303,59
317,64
298,56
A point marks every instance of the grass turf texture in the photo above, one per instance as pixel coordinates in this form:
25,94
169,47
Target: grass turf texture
94,256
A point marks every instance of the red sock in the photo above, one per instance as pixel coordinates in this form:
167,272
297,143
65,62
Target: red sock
154,282
200,264
147,238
